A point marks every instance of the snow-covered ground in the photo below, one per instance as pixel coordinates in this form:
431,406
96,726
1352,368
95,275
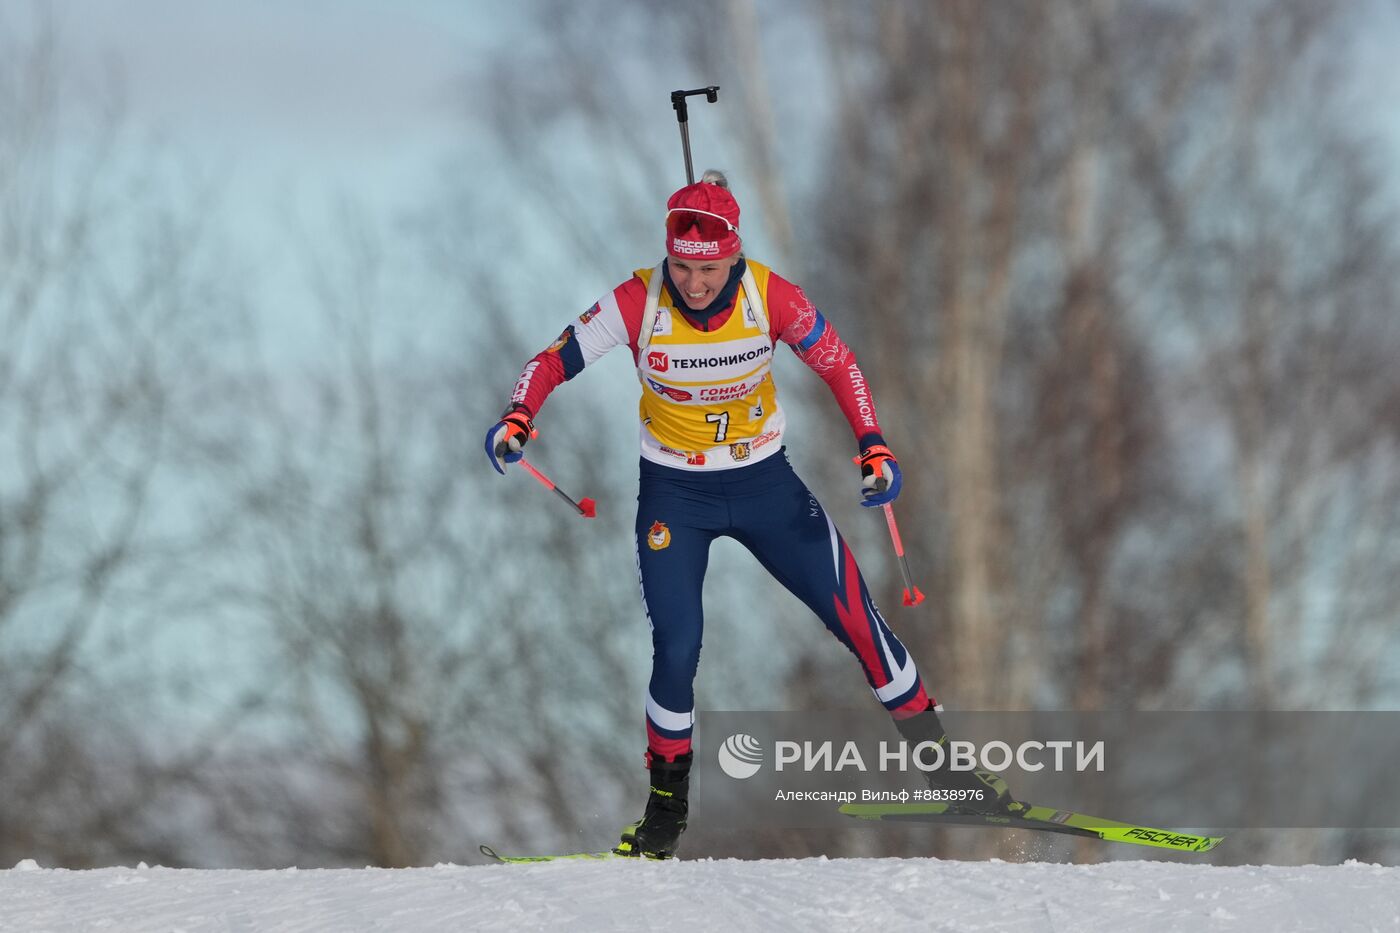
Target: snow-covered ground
799,895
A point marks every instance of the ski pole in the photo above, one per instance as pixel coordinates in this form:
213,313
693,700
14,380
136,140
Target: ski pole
912,596
682,116
585,506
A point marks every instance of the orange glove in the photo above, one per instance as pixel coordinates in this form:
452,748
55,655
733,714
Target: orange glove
879,476
507,436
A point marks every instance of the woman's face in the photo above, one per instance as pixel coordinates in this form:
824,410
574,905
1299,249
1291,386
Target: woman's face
699,280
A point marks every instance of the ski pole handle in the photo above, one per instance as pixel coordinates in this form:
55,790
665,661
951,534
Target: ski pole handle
912,596
585,506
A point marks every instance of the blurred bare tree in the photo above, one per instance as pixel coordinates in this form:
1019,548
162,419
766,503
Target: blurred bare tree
1100,190
1122,276
436,675
1284,259
100,367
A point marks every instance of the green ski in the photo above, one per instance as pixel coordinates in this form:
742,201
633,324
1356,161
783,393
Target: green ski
1044,819
528,859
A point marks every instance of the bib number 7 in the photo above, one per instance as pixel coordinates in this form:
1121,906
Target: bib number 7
721,423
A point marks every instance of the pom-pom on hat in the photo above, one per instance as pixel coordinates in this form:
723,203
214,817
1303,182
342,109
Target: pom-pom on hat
702,222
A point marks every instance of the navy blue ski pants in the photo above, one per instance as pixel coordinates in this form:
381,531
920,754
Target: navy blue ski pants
770,511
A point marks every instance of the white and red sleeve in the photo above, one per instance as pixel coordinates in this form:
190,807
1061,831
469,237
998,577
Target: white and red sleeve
613,320
795,321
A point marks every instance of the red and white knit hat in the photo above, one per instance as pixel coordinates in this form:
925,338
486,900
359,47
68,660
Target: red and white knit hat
702,222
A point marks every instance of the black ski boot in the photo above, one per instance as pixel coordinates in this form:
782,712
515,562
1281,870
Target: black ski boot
977,791
657,834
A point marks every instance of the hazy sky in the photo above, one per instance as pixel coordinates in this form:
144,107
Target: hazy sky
313,90
283,106
288,103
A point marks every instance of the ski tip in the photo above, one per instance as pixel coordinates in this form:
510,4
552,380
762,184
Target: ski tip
588,508
489,852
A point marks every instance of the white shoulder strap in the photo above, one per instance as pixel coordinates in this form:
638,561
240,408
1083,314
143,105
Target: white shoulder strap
649,315
755,300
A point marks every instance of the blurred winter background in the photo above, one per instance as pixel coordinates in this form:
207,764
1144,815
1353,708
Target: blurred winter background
1123,274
